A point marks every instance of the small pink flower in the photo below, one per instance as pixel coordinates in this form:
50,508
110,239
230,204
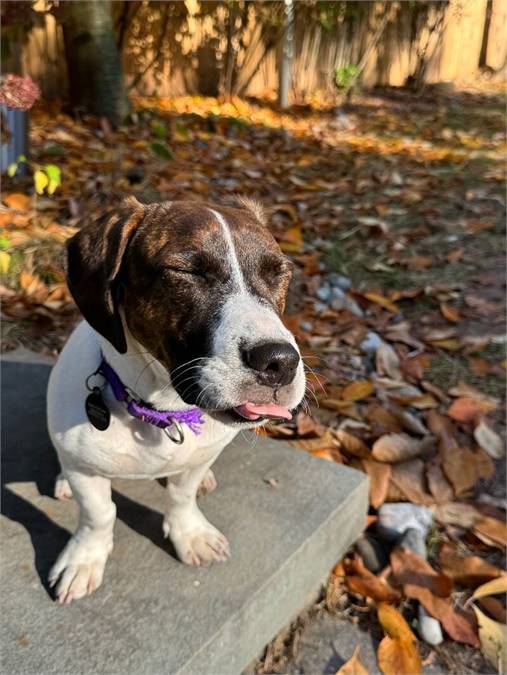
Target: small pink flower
18,92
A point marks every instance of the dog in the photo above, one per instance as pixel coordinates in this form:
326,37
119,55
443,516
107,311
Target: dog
181,347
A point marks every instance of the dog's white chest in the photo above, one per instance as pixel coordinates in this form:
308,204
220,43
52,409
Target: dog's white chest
128,448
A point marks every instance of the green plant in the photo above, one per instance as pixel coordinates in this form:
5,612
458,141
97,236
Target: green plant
45,178
344,76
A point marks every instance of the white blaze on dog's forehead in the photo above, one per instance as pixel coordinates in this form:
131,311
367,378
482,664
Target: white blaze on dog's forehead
237,274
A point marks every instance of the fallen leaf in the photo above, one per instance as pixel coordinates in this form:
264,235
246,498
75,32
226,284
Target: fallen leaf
489,440
396,448
491,531
352,445
469,571
460,465
17,200
492,634
449,313
363,582
409,568
493,638
419,582
468,409
494,587
379,474
450,344
388,362
382,421
356,391
438,484
408,479
381,300
398,657
5,261
397,653
353,666
419,263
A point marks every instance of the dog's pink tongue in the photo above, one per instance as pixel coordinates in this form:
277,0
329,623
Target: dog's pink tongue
252,411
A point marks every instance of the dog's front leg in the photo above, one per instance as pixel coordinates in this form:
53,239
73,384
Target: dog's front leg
80,566
197,541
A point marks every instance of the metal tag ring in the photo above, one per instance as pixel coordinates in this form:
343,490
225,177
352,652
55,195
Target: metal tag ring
87,381
177,426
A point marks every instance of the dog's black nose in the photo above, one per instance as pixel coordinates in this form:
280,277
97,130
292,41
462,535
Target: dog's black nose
275,363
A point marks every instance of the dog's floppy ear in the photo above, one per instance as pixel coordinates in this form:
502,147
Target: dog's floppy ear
93,262
254,207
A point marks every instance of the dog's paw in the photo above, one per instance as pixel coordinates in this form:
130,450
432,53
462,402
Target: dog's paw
62,490
201,545
209,483
78,571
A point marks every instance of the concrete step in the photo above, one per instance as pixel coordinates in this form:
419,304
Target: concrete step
153,614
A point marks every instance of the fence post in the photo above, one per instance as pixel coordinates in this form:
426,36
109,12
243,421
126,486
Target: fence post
287,54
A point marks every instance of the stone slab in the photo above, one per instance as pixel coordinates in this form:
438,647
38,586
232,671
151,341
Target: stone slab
154,615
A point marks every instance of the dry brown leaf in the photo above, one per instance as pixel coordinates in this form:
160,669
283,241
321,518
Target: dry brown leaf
382,421
363,582
396,448
468,409
465,390
409,568
494,608
381,300
489,440
17,200
459,465
352,445
358,390
387,362
421,582
438,483
449,313
469,571
457,513
450,344
379,474
491,531
408,479
353,666
397,653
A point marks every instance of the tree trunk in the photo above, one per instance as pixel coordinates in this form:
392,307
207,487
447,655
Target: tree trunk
95,72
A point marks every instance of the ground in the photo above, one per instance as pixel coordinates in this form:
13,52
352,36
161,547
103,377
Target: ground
392,209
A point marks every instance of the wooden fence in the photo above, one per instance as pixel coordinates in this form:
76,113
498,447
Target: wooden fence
445,42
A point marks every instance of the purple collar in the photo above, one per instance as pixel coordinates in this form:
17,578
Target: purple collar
169,420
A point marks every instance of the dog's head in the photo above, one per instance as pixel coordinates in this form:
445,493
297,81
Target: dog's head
202,288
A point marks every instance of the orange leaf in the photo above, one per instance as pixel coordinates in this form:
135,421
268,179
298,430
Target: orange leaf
17,200
397,653
361,581
449,313
381,300
353,666
398,657
356,391
468,409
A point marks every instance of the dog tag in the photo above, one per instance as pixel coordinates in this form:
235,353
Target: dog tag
97,411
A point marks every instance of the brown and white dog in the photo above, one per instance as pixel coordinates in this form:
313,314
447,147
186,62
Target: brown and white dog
183,300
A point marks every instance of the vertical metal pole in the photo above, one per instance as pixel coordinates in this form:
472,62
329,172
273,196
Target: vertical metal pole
287,53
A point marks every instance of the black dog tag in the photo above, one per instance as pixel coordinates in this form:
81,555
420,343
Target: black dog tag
97,411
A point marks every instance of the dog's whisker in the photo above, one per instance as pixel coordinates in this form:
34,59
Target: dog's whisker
150,363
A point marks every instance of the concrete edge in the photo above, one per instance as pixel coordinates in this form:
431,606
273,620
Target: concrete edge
230,637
